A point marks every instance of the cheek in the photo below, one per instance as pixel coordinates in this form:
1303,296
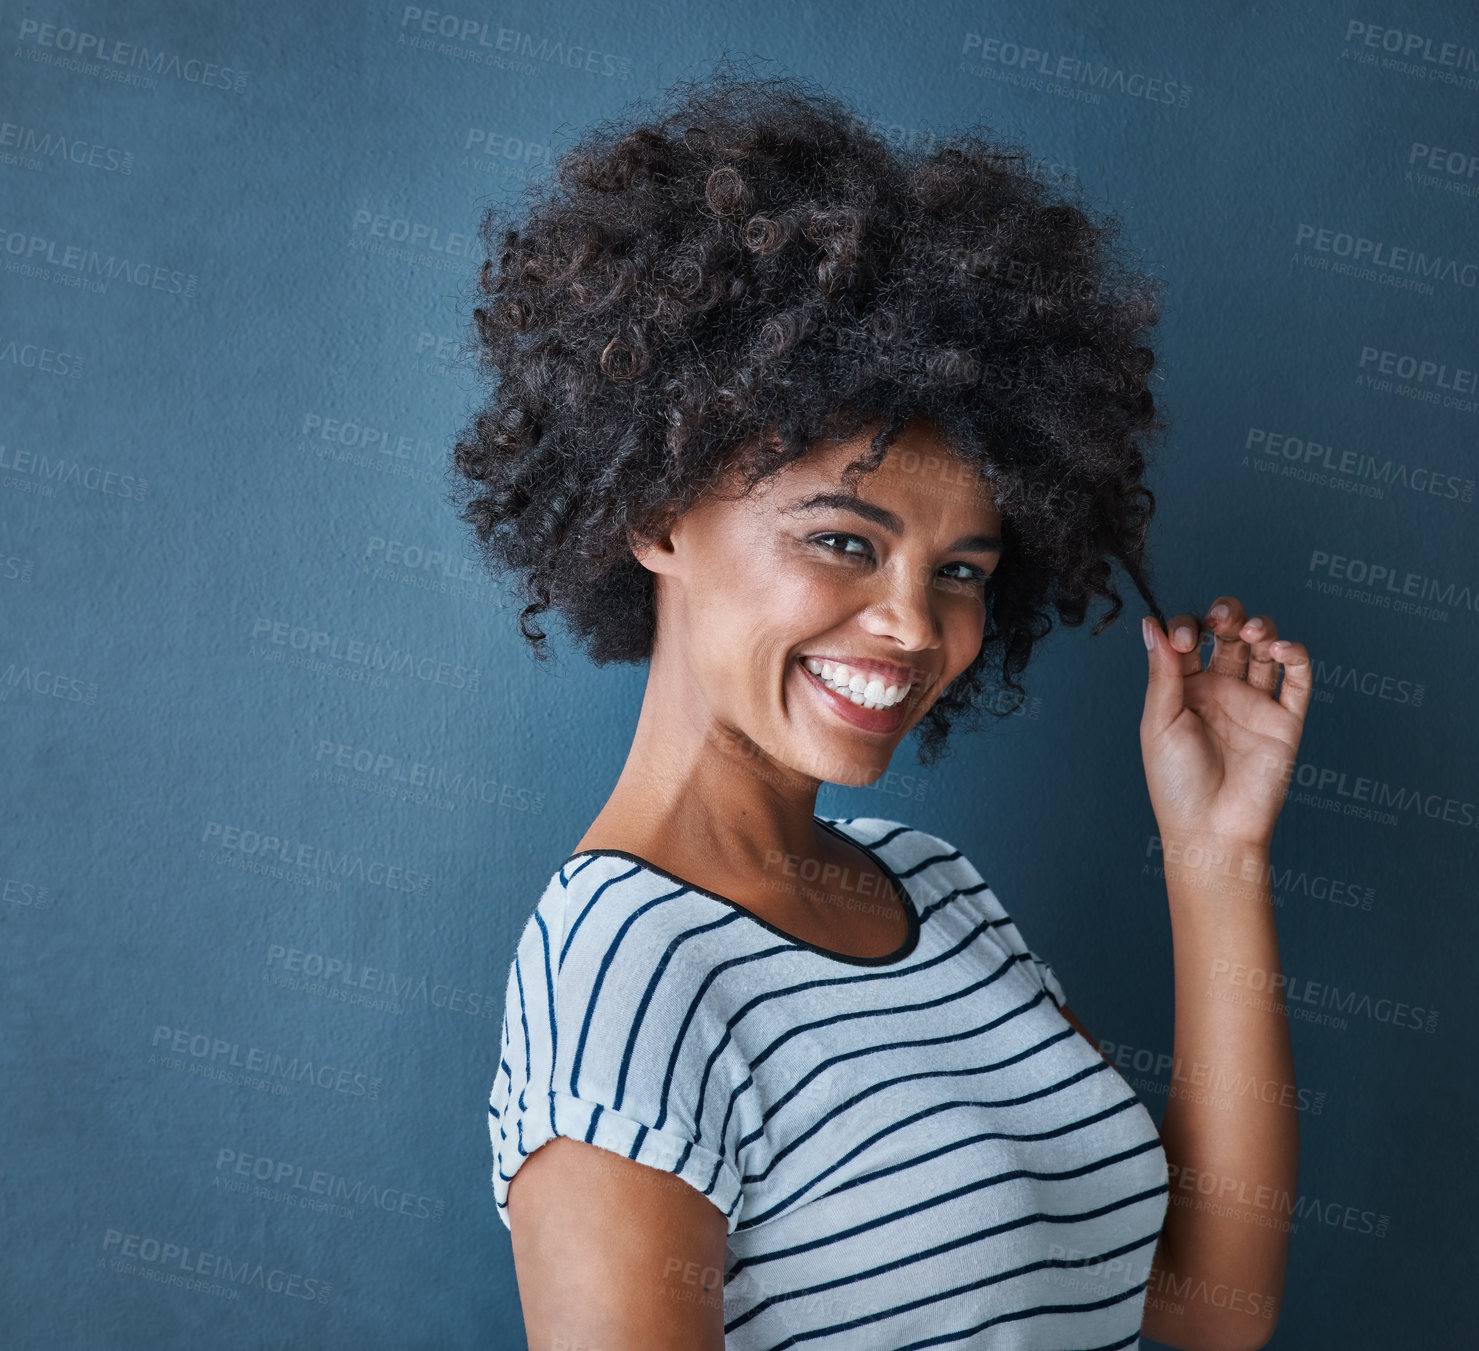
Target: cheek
767,610
964,628
751,604
779,591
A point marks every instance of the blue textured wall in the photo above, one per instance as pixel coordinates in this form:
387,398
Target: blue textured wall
281,783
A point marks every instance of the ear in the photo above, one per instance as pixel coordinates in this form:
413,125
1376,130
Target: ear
654,551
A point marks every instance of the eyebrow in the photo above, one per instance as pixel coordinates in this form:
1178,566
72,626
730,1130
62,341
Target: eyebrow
882,516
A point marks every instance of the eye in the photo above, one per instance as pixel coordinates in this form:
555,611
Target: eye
971,573
856,539
968,575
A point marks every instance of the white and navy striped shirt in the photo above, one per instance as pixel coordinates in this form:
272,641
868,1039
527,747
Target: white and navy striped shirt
912,1150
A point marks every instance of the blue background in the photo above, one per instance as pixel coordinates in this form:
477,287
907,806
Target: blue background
236,449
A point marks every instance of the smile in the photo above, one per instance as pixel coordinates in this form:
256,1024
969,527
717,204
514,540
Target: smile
868,691
866,701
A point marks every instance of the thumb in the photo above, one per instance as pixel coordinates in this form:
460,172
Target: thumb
1163,695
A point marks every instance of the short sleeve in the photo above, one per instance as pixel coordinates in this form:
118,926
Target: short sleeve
1011,938
604,1040
1048,979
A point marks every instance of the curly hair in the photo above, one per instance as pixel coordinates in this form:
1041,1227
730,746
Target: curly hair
751,268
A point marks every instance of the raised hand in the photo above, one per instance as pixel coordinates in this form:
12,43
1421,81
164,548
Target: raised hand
1219,744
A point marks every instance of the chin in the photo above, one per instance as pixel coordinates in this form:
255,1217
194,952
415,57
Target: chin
847,766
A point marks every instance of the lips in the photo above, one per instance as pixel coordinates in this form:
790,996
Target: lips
887,672
880,720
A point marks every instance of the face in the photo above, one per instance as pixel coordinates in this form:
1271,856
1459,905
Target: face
771,605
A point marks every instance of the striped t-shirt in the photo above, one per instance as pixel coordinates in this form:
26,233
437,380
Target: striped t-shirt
911,1150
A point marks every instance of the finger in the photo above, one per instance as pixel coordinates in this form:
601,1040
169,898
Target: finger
1260,633
1186,639
1163,686
1298,675
1225,618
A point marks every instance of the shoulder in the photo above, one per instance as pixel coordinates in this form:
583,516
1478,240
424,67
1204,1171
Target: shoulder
613,905
608,1036
589,891
614,947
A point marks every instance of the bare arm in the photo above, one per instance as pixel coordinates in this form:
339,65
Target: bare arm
1217,1279
612,1255
1233,1160
1219,744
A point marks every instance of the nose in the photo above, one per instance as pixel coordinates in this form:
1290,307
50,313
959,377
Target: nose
906,606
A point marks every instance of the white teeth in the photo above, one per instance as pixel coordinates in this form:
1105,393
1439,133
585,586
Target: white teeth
865,691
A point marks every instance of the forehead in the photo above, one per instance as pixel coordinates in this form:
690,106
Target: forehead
920,470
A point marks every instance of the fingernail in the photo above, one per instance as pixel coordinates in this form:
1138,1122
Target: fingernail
1146,634
1183,634
1218,611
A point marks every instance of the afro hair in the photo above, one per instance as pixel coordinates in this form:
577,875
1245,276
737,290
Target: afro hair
720,282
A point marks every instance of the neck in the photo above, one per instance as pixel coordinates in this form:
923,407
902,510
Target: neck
696,788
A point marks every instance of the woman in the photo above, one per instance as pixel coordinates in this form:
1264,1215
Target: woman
819,430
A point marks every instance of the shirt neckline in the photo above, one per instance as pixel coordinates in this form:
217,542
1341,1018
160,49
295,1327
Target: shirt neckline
901,890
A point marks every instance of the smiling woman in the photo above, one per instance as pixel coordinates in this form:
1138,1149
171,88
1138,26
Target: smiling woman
817,431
